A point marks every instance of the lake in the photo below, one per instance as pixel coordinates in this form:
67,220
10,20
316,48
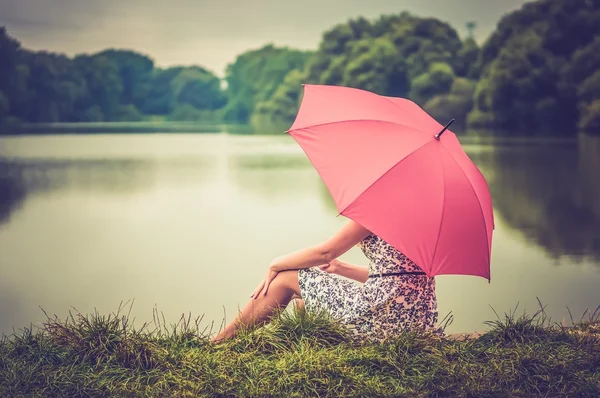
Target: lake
187,224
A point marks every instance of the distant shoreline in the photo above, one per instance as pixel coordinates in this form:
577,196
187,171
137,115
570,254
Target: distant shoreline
125,128
119,128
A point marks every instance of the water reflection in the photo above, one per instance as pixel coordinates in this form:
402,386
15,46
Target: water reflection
188,222
589,165
111,176
22,179
276,176
10,308
269,175
548,194
541,193
12,195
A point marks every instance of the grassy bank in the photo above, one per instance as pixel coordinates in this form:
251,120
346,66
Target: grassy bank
298,355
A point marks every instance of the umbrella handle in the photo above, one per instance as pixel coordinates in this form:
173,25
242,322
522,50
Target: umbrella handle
438,135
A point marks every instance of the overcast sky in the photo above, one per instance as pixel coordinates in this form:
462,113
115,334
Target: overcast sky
212,33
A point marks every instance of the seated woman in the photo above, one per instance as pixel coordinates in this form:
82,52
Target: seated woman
395,295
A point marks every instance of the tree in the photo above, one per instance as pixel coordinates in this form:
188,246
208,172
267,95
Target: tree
275,114
395,55
54,88
467,63
254,77
104,85
135,71
590,118
198,87
437,80
372,66
159,100
4,109
9,59
456,104
129,113
13,75
384,56
534,65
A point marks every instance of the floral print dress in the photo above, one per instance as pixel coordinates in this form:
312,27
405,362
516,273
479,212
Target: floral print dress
381,307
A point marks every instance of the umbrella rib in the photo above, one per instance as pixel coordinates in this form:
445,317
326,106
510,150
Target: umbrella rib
478,201
383,174
437,241
352,121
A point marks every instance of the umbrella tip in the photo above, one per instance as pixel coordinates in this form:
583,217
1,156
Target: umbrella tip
438,135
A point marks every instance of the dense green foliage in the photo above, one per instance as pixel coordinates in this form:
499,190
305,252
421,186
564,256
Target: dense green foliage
255,76
540,70
111,85
537,74
400,55
298,354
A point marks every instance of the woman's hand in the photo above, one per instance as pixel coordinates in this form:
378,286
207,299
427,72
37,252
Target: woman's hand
263,286
332,267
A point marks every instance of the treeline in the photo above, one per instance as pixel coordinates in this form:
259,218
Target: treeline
118,85
537,74
111,85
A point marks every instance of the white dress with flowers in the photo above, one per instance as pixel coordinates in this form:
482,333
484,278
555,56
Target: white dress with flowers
381,307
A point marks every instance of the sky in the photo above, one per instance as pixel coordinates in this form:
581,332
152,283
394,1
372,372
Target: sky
211,33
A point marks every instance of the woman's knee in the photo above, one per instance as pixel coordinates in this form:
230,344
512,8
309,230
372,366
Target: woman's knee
289,280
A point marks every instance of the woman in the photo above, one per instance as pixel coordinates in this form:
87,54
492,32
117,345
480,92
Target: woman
395,294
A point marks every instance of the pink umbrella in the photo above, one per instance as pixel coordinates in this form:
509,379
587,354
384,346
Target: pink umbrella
392,168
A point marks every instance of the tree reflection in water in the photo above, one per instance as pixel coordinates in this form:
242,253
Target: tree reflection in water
12,195
543,192
550,194
22,179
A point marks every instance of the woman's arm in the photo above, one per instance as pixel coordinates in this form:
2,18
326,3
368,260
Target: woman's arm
357,272
342,241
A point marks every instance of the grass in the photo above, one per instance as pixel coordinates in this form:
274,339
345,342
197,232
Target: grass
298,354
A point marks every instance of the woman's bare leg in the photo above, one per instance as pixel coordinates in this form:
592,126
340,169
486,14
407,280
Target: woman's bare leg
258,311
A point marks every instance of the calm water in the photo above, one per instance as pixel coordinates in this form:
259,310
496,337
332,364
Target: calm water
188,223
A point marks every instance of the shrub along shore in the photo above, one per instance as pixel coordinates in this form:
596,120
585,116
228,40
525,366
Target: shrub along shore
298,354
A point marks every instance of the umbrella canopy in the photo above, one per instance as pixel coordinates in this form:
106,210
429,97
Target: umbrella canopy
395,170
